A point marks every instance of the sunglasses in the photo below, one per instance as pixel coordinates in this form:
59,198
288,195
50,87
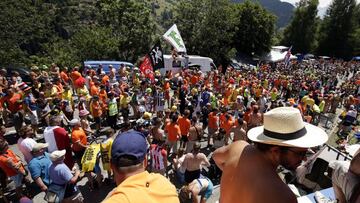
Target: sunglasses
300,154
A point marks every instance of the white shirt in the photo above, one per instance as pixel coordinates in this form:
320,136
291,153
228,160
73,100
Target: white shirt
50,138
25,146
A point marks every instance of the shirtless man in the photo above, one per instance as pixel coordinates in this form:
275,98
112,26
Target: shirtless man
157,133
195,132
193,162
239,130
249,171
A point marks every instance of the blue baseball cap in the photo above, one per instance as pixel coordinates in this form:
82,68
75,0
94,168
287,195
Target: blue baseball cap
129,144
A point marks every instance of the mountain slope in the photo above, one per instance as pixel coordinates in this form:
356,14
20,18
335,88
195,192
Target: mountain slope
282,10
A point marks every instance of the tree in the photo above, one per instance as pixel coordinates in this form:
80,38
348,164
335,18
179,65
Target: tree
25,26
254,28
206,27
301,32
130,23
336,28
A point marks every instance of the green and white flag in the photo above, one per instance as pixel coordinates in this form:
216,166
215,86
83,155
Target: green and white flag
174,38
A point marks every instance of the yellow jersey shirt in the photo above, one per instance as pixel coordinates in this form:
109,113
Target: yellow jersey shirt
144,187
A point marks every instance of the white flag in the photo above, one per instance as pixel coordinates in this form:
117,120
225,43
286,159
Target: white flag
174,38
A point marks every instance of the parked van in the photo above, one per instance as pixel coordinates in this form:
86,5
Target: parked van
206,64
105,64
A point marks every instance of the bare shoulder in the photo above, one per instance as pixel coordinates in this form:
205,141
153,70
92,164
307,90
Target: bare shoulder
223,154
282,193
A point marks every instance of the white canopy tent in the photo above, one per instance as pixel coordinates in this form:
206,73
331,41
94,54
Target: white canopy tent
277,56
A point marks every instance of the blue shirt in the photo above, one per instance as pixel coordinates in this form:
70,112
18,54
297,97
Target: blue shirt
30,102
60,174
39,167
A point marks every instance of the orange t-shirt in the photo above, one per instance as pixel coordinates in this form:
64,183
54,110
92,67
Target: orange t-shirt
64,76
213,120
96,109
4,161
75,75
222,119
184,125
228,124
105,79
173,131
94,90
78,135
12,103
194,80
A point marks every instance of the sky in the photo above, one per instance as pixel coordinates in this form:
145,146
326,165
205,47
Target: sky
322,3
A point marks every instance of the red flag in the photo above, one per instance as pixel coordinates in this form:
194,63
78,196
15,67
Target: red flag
147,69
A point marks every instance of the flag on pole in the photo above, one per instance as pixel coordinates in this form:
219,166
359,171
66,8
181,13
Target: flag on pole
287,57
156,56
174,38
147,69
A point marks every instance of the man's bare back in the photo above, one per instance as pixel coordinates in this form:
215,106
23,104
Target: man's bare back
195,132
193,162
248,177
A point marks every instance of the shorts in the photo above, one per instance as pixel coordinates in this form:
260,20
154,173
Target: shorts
211,131
97,120
184,138
191,175
17,179
209,190
34,117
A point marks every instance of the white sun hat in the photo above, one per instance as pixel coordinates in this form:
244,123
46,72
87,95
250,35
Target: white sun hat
57,155
284,126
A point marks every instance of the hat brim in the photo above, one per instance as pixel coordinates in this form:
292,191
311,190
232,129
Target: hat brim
60,155
315,136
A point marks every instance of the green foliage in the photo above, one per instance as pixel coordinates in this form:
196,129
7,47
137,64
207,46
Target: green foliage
131,25
254,28
301,32
336,29
206,27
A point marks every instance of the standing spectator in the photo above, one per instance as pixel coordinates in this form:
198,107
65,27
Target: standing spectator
58,139
30,106
173,133
158,158
134,183
239,130
39,166
113,111
195,133
26,142
96,111
184,125
11,164
78,139
193,163
13,103
63,180
213,124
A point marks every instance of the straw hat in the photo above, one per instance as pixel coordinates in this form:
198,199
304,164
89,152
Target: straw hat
284,127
